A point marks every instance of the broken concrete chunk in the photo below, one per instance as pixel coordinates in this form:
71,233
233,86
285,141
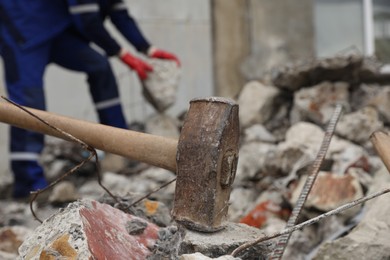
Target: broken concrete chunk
263,212
237,208
330,191
8,256
370,239
225,241
338,68
199,256
258,132
305,134
256,103
373,95
113,163
302,143
252,160
11,237
154,211
317,103
162,125
350,156
89,230
160,88
358,126
63,192
136,226
167,245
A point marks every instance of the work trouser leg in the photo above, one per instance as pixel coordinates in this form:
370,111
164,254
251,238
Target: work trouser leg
23,72
73,52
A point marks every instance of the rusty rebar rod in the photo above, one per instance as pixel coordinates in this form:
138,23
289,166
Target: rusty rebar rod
310,221
281,245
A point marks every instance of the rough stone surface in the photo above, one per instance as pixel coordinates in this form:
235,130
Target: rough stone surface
317,103
373,95
256,102
88,229
330,191
113,163
253,156
263,212
258,132
358,126
64,192
275,156
237,208
349,156
339,68
160,88
162,125
199,256
370,238
224,241
154,211
168,243
302,141
12,237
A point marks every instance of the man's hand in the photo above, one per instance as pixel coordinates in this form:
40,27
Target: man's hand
154,52
140,66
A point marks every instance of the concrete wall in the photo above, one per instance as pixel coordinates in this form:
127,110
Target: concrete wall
180,26
252,36
231,44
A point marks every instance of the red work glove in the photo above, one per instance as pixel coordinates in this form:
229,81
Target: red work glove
154,52
140,66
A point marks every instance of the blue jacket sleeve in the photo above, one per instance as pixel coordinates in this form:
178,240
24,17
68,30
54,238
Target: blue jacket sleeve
87,18
127,26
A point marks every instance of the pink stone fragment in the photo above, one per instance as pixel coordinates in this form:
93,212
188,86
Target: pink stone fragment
107,236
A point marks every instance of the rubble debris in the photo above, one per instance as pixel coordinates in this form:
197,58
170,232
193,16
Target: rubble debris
276,151
199,256
330,191
259,133
12,237
350,68
264,211
136,227
316,104
168,243
359,125
160,88
314,170
162,125
222,242
154,211
237,209
371,236
63,192
373,95
87,229
256,102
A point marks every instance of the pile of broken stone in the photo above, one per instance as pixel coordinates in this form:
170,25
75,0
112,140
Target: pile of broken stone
283,118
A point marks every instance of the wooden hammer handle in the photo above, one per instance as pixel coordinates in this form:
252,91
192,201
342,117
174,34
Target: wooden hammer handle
381,142
155,150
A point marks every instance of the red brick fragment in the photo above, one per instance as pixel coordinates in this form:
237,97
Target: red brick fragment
262,212
105,229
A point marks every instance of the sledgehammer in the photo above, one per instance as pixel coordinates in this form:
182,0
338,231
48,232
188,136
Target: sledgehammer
204,157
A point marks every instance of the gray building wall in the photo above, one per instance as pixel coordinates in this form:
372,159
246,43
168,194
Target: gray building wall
260,34
231,44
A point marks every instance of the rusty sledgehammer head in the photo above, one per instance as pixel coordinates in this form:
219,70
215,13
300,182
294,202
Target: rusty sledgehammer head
206,157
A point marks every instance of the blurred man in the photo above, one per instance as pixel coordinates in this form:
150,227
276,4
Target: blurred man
36,33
